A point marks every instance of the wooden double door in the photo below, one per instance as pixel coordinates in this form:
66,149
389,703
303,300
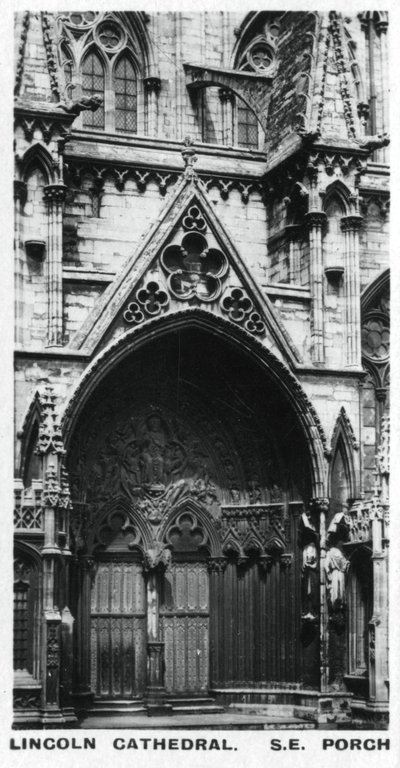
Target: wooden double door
184,627
118,629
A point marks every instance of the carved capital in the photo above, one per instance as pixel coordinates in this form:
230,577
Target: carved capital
320,505
217,564
157,556
351,223
286,559
55,193
152,84
20,190
315,219
226,95
189,157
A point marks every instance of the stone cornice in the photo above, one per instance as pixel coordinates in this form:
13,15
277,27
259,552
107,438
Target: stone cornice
45,116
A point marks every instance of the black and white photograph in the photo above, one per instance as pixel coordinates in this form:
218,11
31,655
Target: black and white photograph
201,382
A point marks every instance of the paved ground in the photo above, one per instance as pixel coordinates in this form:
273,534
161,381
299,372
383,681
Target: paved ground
224,721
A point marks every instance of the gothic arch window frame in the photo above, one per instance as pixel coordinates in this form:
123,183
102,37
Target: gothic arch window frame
358,596
378,369
344,442
32,606
126,55
79,50
37,158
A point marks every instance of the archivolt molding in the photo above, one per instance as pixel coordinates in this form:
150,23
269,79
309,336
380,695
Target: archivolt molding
344,427
374,289
196,317
36,156
344,440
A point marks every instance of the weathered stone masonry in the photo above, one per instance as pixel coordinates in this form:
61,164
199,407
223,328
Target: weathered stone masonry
202,360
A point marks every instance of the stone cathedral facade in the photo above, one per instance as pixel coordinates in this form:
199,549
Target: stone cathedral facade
201,364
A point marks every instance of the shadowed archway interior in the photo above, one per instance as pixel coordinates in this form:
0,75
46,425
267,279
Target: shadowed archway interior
190,429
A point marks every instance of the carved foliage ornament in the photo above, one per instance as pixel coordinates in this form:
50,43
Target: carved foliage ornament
255,528
194,270
50,437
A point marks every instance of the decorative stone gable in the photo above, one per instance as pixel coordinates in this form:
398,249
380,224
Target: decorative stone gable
186,260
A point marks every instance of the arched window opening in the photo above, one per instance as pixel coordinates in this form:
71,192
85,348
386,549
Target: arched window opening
125,86
333,239
32,460
359,592
340,485
247,126
67,64
25,615
93,85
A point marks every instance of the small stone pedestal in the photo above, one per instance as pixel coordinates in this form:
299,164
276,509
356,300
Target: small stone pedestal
155,691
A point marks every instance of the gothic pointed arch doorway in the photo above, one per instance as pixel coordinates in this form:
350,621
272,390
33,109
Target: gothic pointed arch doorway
209,457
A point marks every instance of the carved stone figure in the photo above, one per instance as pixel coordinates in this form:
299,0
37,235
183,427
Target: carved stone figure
79,105
310,581
336,566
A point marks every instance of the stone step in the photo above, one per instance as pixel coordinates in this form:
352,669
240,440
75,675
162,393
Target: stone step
194,709
181,700
275,710
109,707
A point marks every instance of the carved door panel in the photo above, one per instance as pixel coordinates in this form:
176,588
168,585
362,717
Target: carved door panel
118,630
185,627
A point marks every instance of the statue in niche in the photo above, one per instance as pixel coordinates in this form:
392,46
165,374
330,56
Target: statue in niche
310,582
154,444
336,566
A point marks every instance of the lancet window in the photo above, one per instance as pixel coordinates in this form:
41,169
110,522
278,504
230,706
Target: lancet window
100,58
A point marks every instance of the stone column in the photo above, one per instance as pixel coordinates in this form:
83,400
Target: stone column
350,225
320,506
152,86
216,567
381,28
20,193
155,690
54,195
316,220
227,99
51,616
378,690
84,574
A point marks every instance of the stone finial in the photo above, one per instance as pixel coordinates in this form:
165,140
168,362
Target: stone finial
189,157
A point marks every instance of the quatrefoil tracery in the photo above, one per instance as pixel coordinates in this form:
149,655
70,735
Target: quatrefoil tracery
194,270
150,300
241,310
